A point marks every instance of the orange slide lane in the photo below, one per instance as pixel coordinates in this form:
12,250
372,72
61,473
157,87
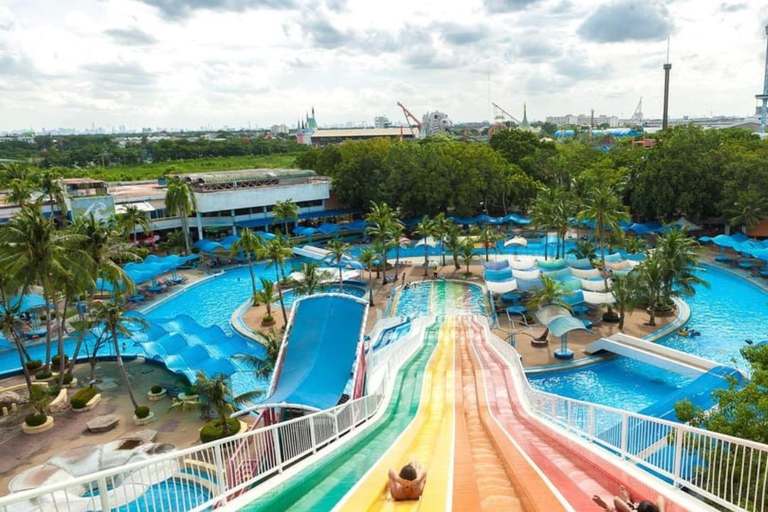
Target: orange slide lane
575,476
490,473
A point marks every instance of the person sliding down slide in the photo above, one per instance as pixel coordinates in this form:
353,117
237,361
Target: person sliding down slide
625,503
409,484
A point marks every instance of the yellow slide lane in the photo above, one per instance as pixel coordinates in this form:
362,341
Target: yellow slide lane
428,439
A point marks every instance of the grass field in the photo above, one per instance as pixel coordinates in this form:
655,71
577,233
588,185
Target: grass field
156,170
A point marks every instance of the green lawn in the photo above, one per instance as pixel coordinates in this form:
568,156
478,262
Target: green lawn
155,170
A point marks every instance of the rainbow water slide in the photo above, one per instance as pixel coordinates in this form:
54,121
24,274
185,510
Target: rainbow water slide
578,473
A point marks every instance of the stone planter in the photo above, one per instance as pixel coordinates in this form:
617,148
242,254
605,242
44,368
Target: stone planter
154,397
49,379
188,398
71,384
91,403
143,421
38,429
268,324
59,403
243,427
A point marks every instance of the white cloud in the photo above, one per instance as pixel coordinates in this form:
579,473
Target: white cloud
186,64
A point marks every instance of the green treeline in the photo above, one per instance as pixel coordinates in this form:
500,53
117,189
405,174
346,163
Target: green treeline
702,174
109,151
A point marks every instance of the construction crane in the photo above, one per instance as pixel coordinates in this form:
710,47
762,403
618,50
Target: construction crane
500,115
408,117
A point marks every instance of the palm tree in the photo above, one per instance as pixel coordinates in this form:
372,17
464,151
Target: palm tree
367,257
452,241
277,252
651,282
266,295
550,293
749,209
426,229
112,316
313,281
338,251
381,219
215,392
584,249
107,250
624,292
285,211
442,225
604,208
397,232
680,257
249,243
51,186
19,191
174,242
10,316
466,251
132,218
180,200
563,210
487,236
262,366
37,253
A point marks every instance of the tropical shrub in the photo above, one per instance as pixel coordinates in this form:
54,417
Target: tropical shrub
156,389
80,399
213,430
141,411
35,419
56,360
45,374
34,364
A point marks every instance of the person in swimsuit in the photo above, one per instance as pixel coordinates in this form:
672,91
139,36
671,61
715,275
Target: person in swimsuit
625,503
409,483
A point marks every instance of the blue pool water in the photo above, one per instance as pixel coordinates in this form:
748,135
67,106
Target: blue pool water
213,301
170,494
289,297
441,298
731,310
727,312
622,382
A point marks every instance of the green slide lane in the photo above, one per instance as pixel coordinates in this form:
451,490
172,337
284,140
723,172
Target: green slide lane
322,485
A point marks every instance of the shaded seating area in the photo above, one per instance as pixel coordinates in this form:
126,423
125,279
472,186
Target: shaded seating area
559,321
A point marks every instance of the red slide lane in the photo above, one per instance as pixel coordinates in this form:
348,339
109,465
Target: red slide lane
574,475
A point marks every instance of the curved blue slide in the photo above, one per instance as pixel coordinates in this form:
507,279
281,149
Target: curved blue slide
318,357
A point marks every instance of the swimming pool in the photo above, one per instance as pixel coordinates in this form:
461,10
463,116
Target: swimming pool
631,385
212,302
622,382
442,298
290,297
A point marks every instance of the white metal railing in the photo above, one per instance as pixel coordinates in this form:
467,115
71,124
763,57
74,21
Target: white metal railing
206,476
196,478
725,470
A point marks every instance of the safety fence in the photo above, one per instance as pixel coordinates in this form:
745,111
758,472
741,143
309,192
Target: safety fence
195,479
716,468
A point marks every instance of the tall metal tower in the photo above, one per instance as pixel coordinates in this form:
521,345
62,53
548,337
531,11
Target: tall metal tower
764,97
667,69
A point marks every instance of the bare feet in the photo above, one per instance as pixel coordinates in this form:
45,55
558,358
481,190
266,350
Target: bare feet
625,494
600,503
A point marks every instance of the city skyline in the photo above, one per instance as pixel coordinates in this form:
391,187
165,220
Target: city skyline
150,63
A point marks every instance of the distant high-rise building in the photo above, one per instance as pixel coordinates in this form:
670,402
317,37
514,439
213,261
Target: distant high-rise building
381,122
279,129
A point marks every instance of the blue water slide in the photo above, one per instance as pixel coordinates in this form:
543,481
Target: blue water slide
318,358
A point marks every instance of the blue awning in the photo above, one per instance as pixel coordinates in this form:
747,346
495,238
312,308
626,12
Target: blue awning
25,303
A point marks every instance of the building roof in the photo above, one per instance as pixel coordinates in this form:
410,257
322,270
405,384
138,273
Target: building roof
364,132
245,175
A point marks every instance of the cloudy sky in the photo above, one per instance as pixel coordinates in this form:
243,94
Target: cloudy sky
230,62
